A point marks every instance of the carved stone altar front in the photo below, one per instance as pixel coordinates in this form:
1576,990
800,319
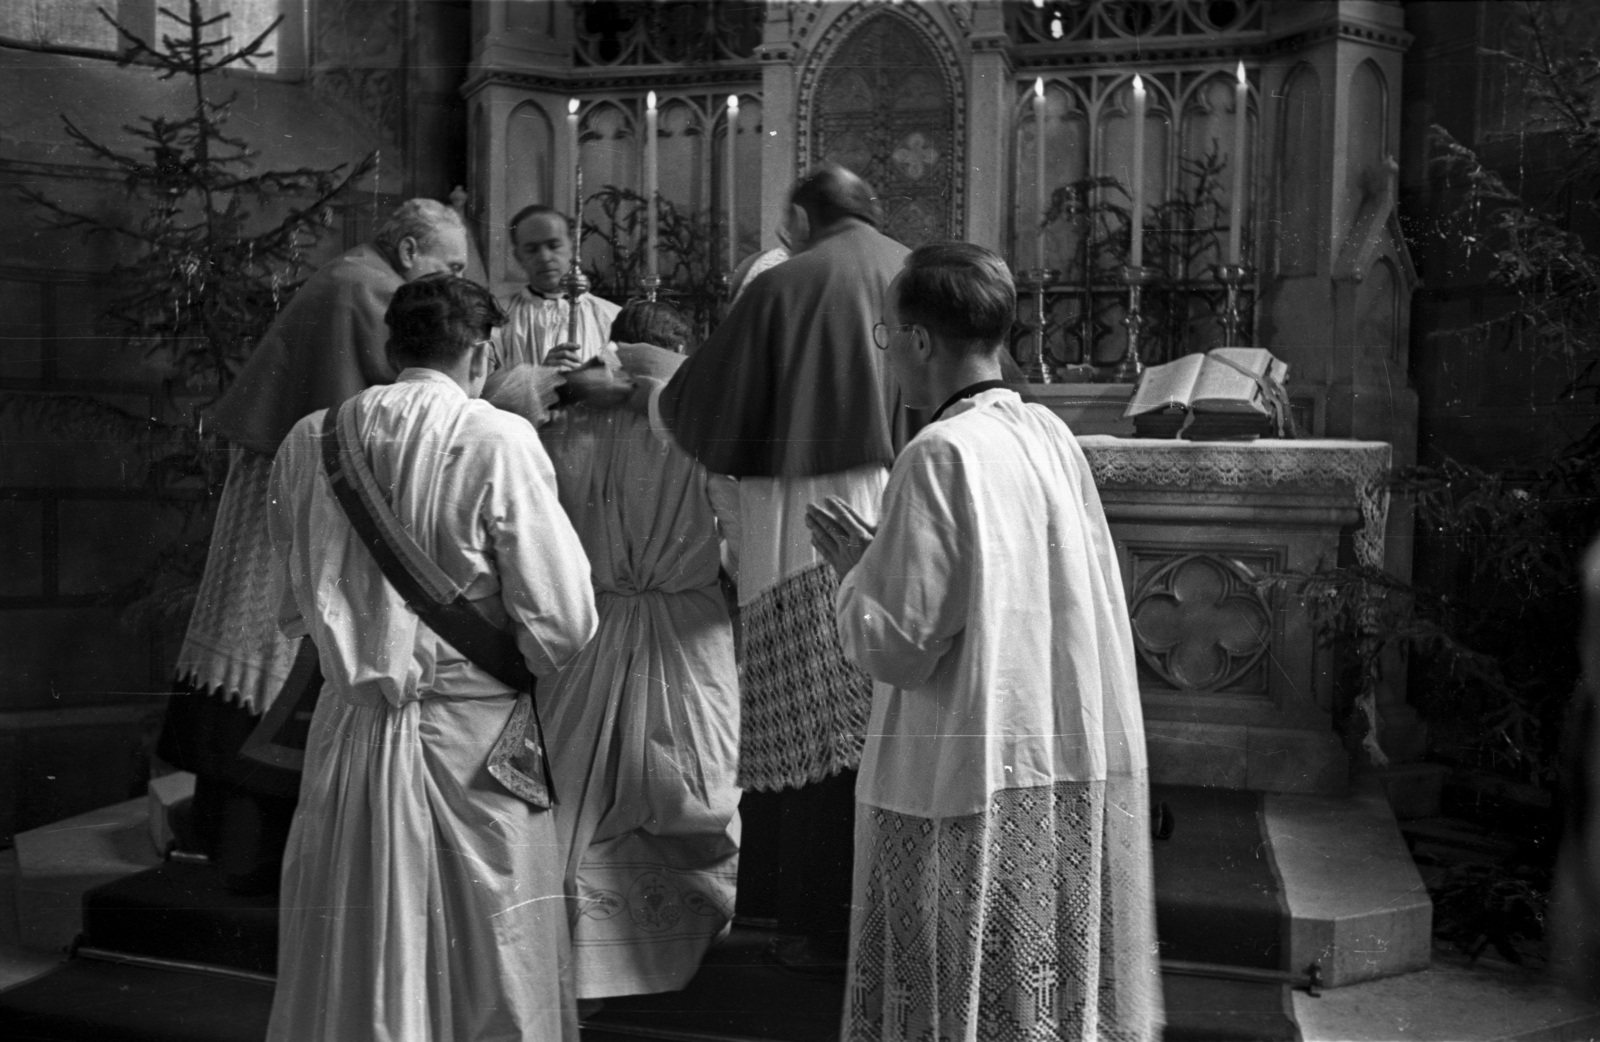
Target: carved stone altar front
1238,692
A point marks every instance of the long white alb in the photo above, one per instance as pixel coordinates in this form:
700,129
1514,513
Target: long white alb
423,900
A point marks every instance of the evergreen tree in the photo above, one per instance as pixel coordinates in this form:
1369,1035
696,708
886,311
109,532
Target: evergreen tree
215,248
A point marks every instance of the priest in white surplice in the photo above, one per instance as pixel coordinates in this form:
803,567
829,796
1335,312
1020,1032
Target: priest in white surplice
1002,868
420,900
537,330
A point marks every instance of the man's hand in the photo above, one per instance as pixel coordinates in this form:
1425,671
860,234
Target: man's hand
840,534
563,357
527,390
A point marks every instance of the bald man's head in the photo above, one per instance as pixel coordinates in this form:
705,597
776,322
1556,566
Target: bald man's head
830,194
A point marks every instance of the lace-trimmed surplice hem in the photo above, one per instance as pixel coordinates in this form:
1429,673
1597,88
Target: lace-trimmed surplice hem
1034,919
805,704
233,649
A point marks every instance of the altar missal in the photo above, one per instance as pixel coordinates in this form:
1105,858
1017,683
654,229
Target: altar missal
1224,393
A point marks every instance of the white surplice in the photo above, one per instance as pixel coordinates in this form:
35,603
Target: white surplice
422,901
536,323
1003,887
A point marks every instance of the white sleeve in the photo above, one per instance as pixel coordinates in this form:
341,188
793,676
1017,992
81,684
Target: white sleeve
723,492
658,426
903,604
545,583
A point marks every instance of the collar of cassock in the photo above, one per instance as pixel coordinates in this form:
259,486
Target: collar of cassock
554,298
966,392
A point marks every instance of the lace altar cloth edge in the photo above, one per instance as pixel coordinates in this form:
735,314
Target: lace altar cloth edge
1319,463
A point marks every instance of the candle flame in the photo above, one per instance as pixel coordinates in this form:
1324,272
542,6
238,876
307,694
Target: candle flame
1038,87
1241,74
650,101
733,103
572,106
1138,85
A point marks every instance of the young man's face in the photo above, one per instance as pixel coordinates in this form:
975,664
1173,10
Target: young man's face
543,251
907,352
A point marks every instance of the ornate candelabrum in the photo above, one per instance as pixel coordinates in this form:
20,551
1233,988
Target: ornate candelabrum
1136,279
1038,369
651,284
1234,277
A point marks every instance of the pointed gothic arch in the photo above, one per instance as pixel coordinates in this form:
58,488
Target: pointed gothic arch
882,94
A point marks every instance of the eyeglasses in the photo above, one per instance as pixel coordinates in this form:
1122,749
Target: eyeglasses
881,332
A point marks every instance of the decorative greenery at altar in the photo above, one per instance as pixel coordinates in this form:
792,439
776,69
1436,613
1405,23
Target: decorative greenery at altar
688,248
1086,301
215,252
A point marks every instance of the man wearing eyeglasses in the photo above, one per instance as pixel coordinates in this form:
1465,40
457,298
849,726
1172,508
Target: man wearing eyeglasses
789,396
1003,877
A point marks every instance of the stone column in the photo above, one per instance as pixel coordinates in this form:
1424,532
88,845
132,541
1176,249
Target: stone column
778,121
1337,278
510,38
990,95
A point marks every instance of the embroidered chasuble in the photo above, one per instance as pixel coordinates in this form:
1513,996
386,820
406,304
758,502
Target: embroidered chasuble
420,899
790,395
1003,884
536,323
643,726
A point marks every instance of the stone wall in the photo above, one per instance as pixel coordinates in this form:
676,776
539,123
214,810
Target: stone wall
80,681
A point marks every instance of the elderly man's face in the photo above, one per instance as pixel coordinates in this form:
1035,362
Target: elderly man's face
543,250
445,252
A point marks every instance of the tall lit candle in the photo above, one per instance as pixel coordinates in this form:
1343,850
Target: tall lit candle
1038,177
1136,253
577,165
733,124
1241,104
650,186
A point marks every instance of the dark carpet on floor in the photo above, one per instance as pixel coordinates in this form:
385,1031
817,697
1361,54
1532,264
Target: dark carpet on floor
1218,899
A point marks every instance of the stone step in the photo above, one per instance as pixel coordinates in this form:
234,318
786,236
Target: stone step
57,864
1357,904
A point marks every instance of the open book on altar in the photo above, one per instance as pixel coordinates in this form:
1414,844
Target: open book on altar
1229,392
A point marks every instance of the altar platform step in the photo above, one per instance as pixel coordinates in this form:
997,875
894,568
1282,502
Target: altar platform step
106,1002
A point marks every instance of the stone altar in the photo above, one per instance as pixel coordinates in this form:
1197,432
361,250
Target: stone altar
1237,689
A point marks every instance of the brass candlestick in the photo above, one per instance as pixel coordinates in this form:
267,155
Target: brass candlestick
651,284
1038,369
1233,277
1136,279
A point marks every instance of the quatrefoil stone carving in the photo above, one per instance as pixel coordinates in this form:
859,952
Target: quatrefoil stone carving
1199,623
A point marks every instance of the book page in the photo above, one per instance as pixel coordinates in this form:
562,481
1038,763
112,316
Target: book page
1164,385
1224,389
